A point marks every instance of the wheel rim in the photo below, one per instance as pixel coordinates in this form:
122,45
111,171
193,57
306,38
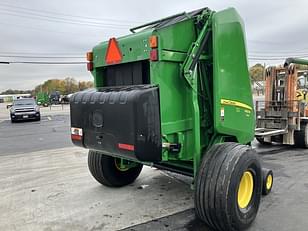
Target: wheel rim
117,163
245,190
269,181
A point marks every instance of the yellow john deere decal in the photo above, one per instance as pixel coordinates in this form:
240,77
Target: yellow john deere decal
235,103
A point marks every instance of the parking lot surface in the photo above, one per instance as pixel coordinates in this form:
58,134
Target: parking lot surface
45,185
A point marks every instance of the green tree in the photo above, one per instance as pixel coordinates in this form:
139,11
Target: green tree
256,72
70,86
82,85
64,86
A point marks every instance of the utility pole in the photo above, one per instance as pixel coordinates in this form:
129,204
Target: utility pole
264,73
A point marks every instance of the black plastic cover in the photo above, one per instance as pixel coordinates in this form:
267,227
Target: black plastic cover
119,121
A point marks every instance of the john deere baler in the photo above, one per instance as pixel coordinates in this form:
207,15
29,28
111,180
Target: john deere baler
175,94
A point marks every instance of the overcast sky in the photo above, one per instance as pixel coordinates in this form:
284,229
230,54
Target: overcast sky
274,29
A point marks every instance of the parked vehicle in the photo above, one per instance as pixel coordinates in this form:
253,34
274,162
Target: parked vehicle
65,99
55,97
42,98
25,109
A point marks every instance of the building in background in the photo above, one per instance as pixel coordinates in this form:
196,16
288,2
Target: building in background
10,98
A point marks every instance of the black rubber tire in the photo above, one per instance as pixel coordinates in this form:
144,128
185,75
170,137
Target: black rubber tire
261,141
217,184
301,137
13,121
265,174
104,170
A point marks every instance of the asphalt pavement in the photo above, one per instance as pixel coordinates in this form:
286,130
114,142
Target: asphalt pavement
52,132
284,209
45,185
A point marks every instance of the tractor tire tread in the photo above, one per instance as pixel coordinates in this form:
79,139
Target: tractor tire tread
103,169
217,177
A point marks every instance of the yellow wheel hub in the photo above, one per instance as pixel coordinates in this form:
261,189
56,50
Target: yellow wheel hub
119,166
245,190
269,181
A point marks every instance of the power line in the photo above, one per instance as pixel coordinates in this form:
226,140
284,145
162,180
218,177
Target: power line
78,54
109,26
59,18
66,15
40,29
45,63
274,59
273,54
281,56
24,12
278,57
61,56
39,53
265,42
280,52
57,56
62,62
54,31
266,59
42,57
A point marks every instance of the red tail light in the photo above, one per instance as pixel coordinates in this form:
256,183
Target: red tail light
90,66
154,55
127,147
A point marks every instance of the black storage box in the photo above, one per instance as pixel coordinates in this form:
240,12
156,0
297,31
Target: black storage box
118,121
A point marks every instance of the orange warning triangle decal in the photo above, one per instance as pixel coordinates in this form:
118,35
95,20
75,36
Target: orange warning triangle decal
113,54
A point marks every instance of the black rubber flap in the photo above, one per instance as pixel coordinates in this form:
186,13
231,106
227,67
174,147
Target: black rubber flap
119,121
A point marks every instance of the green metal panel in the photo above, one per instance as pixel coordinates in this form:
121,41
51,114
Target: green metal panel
176,106
169,36
233,110
134,47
